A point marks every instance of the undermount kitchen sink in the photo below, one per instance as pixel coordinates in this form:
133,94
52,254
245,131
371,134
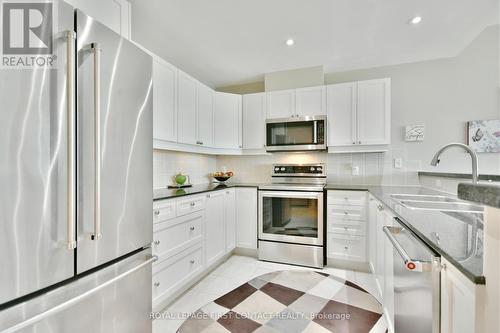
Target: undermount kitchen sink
435,202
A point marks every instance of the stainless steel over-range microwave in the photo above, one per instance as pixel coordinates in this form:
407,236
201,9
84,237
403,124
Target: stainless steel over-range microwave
296,133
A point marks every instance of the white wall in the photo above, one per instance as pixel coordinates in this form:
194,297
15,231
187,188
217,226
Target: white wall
442,95
166,164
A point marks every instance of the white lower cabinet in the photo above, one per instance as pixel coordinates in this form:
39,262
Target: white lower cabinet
458,301
346,226
215,243
246,218
230,218
192,233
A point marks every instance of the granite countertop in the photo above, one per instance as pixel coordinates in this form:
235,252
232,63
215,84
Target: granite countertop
454,231
485,194
168,193
486,177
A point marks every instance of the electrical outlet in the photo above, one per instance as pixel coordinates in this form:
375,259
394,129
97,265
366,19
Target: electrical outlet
398,163
355,170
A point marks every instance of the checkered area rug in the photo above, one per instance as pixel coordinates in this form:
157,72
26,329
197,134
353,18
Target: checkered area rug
290,301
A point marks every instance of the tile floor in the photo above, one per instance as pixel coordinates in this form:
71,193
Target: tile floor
231,274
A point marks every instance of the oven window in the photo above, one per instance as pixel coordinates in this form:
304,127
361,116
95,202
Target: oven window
290,217
290,133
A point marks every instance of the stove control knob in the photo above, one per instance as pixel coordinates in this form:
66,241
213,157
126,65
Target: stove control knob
276,169
283,169
312,169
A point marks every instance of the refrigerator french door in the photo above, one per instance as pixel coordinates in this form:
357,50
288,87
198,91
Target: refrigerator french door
114,145
76,185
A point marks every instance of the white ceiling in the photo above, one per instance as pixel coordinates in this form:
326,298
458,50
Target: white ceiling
224,42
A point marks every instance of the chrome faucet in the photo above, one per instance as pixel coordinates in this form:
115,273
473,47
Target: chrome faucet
435,160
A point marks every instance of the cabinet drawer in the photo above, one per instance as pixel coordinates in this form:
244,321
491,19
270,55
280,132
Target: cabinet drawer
356,198
342,213
172,273
177,234
190,205
346,247
354,229
163,210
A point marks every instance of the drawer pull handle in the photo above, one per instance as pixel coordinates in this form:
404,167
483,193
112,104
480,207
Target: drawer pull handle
157,284
157,212
346,213
346,198
346,248
192,261
191,228
192,204
346,228
157,242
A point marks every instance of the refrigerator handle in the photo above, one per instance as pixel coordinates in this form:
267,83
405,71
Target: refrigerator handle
70,37
63,306
96,50
410,264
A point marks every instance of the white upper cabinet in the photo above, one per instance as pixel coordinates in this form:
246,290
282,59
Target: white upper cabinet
227,121
113,13
205,116
186,115
341,118
310,101
359,113
281,104
254,116
164,101
374,112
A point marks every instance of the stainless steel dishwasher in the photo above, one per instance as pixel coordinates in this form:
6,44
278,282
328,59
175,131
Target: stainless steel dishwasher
416,270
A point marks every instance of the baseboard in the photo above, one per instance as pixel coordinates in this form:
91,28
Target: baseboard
246,252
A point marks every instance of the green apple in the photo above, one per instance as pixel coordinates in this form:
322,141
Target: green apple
180,179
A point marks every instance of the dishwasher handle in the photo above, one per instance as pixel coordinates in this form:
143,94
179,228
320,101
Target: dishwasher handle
410,264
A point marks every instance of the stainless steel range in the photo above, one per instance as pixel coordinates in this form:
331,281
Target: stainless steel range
291,215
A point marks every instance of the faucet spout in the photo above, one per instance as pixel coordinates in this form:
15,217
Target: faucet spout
435,160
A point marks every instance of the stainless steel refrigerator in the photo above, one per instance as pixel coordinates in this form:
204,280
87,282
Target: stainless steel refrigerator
76,185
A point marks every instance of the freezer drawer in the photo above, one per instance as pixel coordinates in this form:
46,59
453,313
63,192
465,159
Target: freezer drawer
115,149
116,299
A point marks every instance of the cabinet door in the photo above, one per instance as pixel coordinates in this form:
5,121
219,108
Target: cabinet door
254,127
215,238
372,233
205,117
186,114
341,105
310,101
164,101
227,120
388,296
457,301
246,218
281,104
380,267
374,112
230,219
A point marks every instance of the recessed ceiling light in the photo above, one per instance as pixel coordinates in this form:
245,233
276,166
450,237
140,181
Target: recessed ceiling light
416,20
289,42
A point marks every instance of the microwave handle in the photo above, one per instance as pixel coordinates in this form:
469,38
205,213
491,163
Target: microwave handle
315,131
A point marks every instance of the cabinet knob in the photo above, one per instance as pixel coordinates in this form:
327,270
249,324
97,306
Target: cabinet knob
346,213
192,204
346,228
359,142
346,248
192,261
201,142
241,146
156,284
156,212
354,142
191,228
380,207
157,242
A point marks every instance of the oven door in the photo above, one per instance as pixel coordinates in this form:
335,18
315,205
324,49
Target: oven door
296,134
291,216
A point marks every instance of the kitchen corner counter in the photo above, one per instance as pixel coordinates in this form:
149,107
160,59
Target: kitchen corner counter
447,233
169,193
485,194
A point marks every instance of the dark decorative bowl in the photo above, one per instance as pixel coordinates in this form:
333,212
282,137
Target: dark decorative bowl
222,178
